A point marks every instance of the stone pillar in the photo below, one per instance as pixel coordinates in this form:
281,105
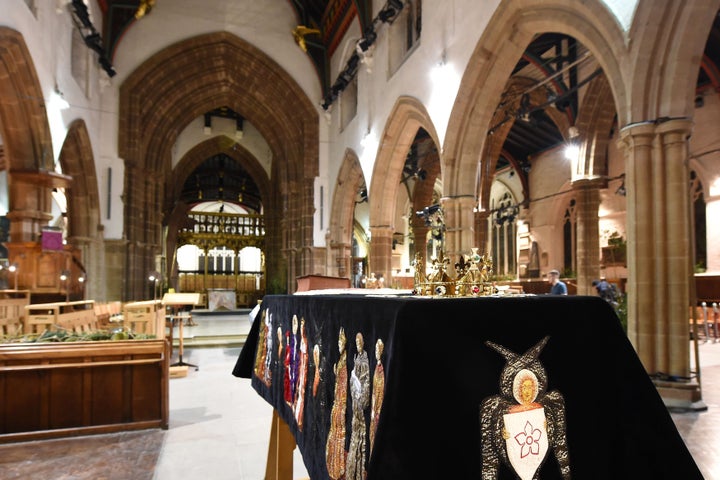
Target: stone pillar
380,261
420,231
459,226
481,232
588,241
659,251
338,259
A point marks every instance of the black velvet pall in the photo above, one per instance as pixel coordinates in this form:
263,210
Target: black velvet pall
438,370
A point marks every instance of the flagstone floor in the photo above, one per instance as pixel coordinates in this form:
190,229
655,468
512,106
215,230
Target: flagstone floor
219,427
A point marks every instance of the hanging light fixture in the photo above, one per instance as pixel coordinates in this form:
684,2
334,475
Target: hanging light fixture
621,190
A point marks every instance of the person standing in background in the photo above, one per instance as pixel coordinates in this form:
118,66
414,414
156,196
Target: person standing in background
558,286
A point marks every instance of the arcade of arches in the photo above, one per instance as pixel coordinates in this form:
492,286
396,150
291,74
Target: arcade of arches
217,140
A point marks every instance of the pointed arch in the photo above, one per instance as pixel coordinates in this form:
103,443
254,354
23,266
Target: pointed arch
25,128
350,179
510,30
668,41
213,146
595,123
76,160
182,82
406,118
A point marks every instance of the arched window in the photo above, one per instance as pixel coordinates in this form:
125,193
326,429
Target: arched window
405,33
504,235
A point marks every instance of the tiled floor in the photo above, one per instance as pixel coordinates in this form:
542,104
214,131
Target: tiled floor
701,430
219,427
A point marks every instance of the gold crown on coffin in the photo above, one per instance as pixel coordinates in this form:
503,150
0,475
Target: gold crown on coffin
472,279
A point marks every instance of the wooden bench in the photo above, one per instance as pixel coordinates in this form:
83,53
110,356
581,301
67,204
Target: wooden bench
146,317
12,311
78,317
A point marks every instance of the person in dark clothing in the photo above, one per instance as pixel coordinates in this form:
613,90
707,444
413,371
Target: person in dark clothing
558,286
606,291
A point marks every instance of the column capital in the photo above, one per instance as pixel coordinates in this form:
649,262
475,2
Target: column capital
675,131
589,183
462,201
637,134
381,231
675,125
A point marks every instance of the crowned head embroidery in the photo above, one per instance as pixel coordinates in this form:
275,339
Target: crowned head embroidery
521,424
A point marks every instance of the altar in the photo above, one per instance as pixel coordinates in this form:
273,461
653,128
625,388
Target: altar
405,387
221,299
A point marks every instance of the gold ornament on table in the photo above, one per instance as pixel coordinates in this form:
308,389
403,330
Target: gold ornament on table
472,278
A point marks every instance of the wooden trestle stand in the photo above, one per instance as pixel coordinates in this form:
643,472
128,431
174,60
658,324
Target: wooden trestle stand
280,451
176,301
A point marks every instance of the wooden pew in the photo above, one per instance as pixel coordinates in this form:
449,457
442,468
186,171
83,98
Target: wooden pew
146,317
12,311
78,317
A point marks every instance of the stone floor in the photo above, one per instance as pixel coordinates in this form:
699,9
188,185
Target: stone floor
219,427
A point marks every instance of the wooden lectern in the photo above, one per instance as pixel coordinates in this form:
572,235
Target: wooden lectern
176,301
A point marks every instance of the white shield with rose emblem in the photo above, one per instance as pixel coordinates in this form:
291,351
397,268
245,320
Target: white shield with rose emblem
527,441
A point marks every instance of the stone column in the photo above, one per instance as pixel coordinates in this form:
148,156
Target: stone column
419,231
481,232
380,261
459,226
677,228
588,241
659,253
338,259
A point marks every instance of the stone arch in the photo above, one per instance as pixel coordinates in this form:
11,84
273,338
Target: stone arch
510,30
76,160
342,217
497,134
26,133
26,136
667,50
176,210
213,146
595,122
407,116
182,82
83,207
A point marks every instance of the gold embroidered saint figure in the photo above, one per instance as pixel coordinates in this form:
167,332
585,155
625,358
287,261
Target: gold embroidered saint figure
378,391
360,397
335,453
